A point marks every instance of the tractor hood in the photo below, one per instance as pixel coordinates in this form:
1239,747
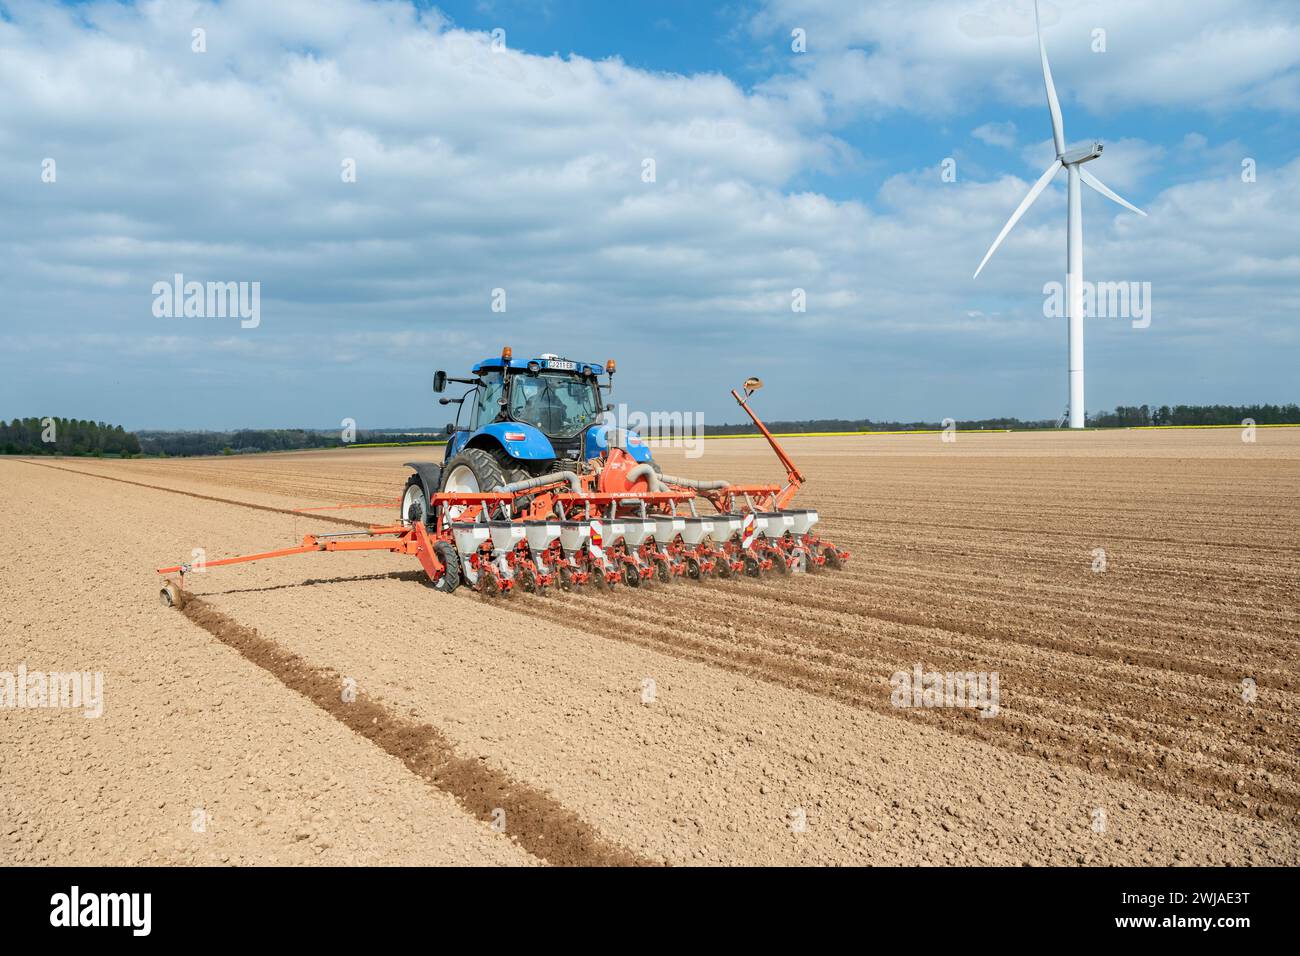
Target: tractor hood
520,441
601,437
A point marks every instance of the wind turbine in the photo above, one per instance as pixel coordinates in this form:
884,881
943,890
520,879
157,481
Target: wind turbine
1073,162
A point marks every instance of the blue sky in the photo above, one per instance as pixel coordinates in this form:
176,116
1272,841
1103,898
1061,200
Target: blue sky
688,38
522,168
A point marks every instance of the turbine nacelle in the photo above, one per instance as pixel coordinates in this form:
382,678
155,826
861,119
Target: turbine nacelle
1083,154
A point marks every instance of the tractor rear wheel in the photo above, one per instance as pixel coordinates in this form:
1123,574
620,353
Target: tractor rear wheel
480,470
477,470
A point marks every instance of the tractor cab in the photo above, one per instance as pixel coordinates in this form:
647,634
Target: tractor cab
523,418
556,402
556,397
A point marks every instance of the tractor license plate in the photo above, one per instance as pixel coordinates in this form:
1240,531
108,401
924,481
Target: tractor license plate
564,364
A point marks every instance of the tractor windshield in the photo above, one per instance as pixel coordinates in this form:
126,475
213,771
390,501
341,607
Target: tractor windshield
559,404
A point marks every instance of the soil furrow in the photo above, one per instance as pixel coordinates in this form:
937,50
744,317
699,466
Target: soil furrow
540,824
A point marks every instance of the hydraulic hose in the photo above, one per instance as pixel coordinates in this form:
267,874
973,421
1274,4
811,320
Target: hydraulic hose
649,474
524,484
658,482
694,484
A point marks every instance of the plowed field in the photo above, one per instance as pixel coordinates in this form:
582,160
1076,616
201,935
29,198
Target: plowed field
1137,594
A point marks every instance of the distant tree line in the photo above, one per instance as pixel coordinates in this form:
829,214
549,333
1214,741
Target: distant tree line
65,436
69,436
868,425
237,442
1127,416
249,440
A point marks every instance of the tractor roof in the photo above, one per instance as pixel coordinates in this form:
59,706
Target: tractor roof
559,364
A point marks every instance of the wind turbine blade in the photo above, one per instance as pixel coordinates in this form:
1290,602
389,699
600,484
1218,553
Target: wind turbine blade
1106,191
1053,104
1025,203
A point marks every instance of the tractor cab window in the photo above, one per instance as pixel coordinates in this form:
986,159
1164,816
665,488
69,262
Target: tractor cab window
487,404
560,405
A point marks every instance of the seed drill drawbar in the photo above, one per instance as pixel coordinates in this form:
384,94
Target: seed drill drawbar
537,491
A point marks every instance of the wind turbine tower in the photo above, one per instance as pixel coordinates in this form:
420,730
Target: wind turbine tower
1073,162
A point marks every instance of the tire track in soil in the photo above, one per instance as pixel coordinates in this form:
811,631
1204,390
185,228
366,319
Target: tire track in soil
1164,654
1113,536
541,825
194,494
1083,733
1035,660
1105,752
1122,685
1152,606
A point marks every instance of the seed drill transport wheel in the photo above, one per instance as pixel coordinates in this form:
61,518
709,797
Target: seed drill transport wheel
450,579
169,596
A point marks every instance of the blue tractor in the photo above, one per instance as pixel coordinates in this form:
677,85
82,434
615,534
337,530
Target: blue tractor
521,419
580,499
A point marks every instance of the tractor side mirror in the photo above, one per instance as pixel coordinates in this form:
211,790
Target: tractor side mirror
451,428
439,381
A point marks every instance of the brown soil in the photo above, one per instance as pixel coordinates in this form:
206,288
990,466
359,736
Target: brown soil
1121,691
542,826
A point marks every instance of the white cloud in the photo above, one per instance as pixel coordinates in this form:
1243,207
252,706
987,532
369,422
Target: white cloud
997,134
478,170
938,57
